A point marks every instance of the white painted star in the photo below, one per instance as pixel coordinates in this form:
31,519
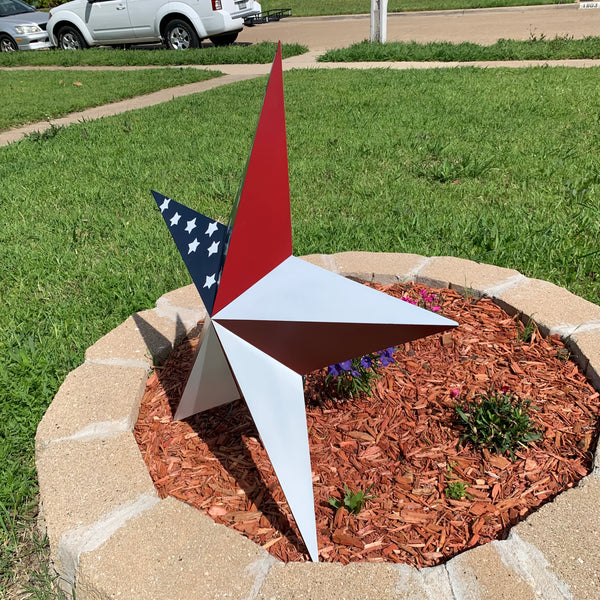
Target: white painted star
175,219
211,229
213,249
191,225
165,204
192,247
210,281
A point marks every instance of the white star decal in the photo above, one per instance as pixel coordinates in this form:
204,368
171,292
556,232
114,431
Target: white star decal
213,249
211,229
191,225
192,247
175,219
210,281
165,204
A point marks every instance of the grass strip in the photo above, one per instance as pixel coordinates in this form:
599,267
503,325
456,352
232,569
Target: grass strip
308,8
535,48
27,96
500,166
261,53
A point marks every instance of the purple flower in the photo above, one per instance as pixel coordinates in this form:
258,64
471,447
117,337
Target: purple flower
454,393
409,300
333,370
346,365
386,357
366,362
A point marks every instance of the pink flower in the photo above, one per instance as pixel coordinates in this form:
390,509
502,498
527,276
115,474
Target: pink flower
454,393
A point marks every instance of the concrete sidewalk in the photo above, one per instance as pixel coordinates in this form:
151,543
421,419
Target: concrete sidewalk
320,33
234,73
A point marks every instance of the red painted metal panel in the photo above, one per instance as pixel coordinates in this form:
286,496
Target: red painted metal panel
262,231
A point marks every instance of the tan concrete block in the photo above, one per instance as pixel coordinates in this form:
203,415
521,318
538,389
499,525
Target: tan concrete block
143,339
464,276
585,346
381,267
431,583
94,400
554,309
330,581
183,305
567,532
325,261
480,573
82,481
172,552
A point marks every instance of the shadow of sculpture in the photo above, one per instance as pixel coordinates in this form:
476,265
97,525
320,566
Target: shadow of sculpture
159,346
228,431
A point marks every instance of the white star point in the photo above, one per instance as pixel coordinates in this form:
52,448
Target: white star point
175,219
214,248
212,227
192,247
165,205
191,225
210,281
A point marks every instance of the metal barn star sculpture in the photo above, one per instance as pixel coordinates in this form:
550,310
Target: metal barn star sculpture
275,317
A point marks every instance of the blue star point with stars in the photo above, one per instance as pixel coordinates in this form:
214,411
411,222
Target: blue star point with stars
201,252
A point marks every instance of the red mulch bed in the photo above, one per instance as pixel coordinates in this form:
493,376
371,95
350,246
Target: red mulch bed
403,441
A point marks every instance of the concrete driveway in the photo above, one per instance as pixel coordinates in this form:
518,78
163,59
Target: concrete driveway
483,26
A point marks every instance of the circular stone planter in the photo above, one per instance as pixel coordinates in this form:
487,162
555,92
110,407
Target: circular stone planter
112,537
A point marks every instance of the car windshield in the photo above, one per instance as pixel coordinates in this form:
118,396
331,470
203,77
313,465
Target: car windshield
14,7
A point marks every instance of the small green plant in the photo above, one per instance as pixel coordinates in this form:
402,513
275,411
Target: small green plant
358,374
352,502
498,421
528,330
456,490
47,134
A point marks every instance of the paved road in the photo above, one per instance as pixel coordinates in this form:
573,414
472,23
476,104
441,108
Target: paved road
483,26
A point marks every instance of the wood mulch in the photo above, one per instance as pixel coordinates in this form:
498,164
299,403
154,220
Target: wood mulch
403,441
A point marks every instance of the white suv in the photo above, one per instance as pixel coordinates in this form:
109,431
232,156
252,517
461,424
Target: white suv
179,24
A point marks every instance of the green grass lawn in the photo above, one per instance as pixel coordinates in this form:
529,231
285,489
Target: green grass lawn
57,93
261,53
532,49
497,165
306,8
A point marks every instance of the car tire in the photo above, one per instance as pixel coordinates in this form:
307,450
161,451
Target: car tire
69,38
180,35
224,40
7,44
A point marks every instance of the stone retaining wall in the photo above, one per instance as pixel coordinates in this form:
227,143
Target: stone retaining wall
112,537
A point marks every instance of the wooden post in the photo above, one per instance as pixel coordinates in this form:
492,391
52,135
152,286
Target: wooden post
379,21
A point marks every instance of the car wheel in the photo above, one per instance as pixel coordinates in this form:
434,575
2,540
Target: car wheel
180,35
69,38
224,40
7,44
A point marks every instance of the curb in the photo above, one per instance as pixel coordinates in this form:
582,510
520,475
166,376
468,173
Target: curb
111,536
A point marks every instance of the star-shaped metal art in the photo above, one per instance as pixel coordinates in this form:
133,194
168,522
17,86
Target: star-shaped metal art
275,317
